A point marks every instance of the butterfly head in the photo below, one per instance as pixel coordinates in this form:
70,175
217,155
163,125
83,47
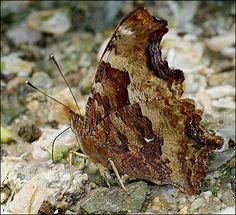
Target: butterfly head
76,122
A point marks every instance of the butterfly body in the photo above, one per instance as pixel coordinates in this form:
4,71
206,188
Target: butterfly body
134,114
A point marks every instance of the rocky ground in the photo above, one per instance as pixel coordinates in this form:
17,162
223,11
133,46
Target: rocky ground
200,41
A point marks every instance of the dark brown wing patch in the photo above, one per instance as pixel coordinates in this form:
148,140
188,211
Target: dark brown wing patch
109,93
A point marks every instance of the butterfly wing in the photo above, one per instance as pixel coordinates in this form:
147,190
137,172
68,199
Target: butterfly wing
129,67
146,142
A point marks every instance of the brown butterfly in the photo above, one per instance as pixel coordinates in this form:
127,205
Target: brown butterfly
134,114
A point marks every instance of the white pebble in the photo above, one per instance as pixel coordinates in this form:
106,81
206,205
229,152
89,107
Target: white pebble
221,91
223,103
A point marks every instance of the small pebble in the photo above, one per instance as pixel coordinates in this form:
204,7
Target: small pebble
219,42
41,80
197,203
157,205
14,84
226,103
207,195
228,198
23,34
221,91
184,210
228,210
29,133
233,173
182,203
219,194
33,105
232,163
69,212
51,21
14,64
5,193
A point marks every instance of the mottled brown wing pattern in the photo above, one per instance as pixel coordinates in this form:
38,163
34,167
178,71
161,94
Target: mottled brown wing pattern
145,141
128,70
134,113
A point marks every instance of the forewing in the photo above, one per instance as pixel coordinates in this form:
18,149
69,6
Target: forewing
131,69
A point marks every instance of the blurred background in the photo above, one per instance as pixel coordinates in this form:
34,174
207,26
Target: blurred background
200,41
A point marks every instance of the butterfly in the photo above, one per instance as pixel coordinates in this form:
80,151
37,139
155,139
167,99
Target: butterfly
135,115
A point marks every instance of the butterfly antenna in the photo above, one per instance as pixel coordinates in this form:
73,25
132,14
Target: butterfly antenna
55,62
31,85
53,143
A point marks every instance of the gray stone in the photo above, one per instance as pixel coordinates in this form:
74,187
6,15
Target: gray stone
228,198
183,202
41,80
217,159
166,193
197,203
116,200
23,34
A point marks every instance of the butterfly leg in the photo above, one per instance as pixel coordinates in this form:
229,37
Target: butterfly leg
79,154
117,175
70,168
